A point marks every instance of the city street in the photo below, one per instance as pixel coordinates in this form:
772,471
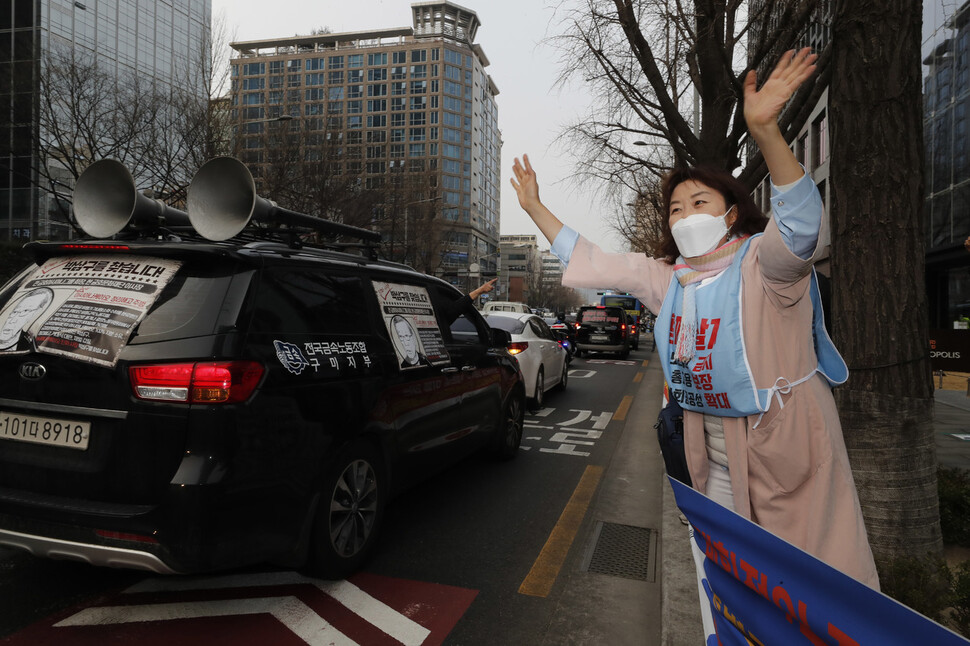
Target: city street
475,555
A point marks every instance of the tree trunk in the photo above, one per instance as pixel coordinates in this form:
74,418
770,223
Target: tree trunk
879,302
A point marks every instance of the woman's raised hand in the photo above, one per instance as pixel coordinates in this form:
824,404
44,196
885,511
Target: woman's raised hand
525,184
762,107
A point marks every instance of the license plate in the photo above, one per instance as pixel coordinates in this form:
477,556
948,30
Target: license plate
599,337
44,430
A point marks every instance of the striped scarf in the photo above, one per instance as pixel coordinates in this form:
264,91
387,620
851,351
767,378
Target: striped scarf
690,272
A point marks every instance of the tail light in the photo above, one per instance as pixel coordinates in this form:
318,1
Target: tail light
623,326
517,347
578,325
215,382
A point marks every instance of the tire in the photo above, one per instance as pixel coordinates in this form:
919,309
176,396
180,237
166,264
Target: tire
564,379
539,396
349,513
510,434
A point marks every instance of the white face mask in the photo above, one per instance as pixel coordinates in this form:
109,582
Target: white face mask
699,233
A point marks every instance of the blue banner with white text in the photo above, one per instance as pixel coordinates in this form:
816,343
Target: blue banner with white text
765,591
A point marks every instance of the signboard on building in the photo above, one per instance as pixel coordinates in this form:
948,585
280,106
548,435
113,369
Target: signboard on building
950,350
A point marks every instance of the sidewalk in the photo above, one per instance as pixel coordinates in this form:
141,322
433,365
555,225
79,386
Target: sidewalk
680,609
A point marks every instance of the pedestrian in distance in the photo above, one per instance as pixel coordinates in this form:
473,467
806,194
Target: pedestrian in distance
740,334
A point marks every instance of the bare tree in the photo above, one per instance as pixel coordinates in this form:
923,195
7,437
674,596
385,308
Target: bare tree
669,73
879,301
640,224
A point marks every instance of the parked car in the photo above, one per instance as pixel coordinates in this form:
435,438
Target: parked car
602,328
506,306
179,404
543,360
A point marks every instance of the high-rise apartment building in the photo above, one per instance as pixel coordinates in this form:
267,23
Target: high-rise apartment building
409,111
155,41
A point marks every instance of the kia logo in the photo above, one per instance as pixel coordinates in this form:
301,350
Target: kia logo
32,371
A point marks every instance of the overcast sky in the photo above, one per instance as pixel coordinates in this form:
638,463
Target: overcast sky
531,113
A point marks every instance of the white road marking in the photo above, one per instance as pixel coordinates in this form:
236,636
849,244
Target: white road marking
374,611
289,611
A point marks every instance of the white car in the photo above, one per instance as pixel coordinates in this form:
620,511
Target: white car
542,360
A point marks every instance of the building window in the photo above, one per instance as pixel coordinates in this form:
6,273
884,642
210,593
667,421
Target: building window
355,60
355,91
398,103
398,89
819,142
417,119
419,71
419,87
355,107
254,69
379,89
336,63
399,57
399,73
419,55
336,78
397,134
379,74
355,76
376,136
801,148
377,59
376,121
377,105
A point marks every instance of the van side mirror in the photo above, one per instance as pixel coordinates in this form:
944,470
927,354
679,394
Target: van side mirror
499,338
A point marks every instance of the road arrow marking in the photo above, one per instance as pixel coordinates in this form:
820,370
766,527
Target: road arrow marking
289,611
372,610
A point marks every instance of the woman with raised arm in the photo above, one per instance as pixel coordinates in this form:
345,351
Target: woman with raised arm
740,335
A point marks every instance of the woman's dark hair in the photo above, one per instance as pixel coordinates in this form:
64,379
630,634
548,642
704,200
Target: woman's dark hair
749,220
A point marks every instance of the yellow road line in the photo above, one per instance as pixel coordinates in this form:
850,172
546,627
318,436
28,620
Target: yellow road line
546,568
623,408
645,362
637,379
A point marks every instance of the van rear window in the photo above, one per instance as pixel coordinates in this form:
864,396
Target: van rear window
190,305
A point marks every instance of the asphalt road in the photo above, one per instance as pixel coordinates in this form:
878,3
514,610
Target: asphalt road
456,554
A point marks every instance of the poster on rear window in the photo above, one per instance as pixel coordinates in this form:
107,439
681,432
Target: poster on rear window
83,307
412,325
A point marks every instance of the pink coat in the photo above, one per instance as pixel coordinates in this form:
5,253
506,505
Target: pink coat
791,474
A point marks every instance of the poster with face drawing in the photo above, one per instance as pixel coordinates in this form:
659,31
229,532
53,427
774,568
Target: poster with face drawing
411,323
83,307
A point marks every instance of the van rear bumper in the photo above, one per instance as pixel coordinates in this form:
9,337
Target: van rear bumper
102,555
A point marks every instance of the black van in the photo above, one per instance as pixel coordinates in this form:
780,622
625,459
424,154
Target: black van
182,405
602,328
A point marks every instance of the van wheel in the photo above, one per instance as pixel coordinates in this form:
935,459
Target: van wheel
510,434
540,394
349,513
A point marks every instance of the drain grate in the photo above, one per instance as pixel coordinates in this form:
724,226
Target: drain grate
623,551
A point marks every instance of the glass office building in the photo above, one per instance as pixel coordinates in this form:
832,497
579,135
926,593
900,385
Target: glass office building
155,41
946,110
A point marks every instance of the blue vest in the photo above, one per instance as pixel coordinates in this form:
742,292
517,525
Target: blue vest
719,381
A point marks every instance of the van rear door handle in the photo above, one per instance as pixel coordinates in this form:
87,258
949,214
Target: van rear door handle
469,368
448,371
